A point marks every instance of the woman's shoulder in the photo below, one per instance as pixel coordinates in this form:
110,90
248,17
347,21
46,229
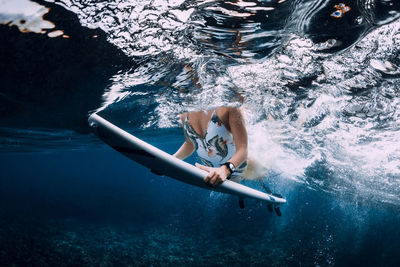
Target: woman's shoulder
228,110
223,110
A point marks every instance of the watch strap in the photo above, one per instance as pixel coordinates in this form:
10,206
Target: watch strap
231,168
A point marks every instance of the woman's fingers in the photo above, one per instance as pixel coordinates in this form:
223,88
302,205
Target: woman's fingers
216,179
218,182
210,176
213,177
202,167
213,180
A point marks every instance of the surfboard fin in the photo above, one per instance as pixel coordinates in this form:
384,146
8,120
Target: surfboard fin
275,208
241,203
278,211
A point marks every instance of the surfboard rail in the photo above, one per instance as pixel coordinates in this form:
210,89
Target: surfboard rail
160,162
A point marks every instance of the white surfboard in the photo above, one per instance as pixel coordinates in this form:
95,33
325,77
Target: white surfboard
163,163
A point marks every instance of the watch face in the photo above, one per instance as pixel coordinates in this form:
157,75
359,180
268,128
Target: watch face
232,167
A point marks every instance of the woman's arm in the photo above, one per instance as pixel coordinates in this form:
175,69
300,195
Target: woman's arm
187,148
239,133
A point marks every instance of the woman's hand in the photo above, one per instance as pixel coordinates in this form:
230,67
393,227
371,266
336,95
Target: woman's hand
215,176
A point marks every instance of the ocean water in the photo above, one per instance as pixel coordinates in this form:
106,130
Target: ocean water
319,82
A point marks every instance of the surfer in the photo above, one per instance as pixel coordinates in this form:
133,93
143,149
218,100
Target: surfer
220,139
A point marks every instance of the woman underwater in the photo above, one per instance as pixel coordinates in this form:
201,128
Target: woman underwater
220,140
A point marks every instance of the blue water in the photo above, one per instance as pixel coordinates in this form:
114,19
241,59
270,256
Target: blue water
319,83
97,207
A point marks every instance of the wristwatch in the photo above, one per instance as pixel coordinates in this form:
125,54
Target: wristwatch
231,168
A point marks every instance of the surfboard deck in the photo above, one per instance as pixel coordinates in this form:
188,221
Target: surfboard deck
163,163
